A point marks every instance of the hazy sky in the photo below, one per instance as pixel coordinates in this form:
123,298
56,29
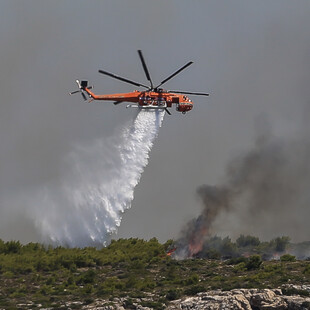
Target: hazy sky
252,56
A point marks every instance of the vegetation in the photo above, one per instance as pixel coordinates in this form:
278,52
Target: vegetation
217,247
288,258
131,269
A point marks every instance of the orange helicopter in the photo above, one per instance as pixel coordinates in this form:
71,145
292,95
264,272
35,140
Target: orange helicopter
153,98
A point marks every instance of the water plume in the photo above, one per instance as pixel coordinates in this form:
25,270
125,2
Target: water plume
86,206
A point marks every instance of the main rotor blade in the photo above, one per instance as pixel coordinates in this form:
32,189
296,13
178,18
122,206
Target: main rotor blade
188,93
121,78
174,74
145,68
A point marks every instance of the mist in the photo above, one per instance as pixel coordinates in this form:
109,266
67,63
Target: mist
253,58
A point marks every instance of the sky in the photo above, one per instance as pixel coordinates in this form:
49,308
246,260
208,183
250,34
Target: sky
251,56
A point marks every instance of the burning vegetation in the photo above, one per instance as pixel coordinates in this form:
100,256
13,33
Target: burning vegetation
245,246
265,189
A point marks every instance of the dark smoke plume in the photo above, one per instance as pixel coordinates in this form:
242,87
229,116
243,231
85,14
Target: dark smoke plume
214,199
265,189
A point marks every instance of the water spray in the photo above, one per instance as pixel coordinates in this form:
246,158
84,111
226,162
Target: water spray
87,210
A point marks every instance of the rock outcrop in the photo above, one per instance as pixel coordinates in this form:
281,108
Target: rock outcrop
288,297
247,299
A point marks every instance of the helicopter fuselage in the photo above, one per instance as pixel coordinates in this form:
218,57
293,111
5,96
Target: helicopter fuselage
148,99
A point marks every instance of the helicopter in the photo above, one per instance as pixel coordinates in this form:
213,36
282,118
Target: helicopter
153,98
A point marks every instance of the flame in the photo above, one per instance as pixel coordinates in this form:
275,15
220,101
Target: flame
275,256
197,237
170,252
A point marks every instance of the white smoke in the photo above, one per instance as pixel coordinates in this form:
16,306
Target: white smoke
86,208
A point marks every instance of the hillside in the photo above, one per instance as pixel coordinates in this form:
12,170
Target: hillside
131,270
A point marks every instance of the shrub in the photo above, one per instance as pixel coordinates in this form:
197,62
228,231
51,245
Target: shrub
193,290
128,303
9,275
240,267
294,291
11,247
307,269
237,260
88,277
152,305
87,289
213,254
193,279
173,294
254,262
288,258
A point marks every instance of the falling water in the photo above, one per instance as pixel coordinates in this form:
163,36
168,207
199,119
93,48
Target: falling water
87,206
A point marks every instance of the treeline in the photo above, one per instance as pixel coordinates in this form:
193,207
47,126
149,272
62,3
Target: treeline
22,259
18,258
134,253
246,245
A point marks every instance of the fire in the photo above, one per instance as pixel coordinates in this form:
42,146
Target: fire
197,237
197,230
275,256
170,252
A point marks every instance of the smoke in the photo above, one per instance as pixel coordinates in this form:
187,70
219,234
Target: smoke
85,207
253,57
264,191
193,235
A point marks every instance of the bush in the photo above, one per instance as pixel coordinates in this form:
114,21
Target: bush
193,279
240,267
153,305
237,260
288,258
11,247
254,262
213,254
307,269
173,294
294,291
87,277
193,290
128,303
87,289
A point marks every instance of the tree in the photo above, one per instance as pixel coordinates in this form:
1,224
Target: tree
281,243
244,241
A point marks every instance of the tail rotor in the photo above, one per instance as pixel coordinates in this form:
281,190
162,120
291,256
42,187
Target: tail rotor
81,87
